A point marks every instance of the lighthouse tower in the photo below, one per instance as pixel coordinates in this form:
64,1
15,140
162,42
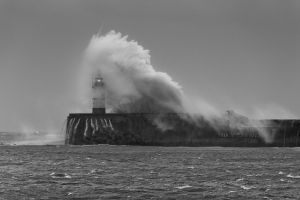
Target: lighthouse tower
98,95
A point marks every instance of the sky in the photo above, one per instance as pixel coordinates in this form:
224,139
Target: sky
234,54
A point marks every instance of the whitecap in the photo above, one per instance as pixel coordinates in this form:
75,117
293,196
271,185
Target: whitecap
59,175
292,176
280,172
254,174
183,187
247,187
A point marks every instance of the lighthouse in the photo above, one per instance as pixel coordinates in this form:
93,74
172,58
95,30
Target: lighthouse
98,88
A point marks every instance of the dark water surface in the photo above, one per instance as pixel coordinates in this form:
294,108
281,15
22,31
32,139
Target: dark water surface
131,172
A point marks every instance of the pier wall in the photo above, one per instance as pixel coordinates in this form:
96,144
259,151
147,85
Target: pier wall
173,130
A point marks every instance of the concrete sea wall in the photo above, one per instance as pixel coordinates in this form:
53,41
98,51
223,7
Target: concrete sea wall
172,130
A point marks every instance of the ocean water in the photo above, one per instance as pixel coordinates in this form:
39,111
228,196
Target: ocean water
133,172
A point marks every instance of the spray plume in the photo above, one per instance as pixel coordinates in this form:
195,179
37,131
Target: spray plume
132,83
134,86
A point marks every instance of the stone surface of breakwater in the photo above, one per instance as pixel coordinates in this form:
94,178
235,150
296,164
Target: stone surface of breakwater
175,130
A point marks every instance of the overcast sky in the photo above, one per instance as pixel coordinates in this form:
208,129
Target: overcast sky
240,54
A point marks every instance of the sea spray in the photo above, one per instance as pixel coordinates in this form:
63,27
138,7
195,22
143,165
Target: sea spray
133,85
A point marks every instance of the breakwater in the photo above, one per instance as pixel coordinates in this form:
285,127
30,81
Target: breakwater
175,130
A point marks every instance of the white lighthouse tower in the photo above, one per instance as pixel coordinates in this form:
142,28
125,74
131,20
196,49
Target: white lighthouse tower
98,95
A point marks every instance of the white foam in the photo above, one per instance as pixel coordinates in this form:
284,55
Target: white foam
111,126
97,124
86,127
93,127
76,126
183,187
102,123
292,176
247,187
59,175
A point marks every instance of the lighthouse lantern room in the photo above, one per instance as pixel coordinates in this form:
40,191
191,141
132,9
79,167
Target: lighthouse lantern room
98,88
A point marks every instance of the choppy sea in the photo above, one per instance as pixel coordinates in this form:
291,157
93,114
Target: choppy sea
134,172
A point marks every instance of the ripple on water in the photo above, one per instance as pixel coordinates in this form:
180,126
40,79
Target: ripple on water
59,175
119,172
247,187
